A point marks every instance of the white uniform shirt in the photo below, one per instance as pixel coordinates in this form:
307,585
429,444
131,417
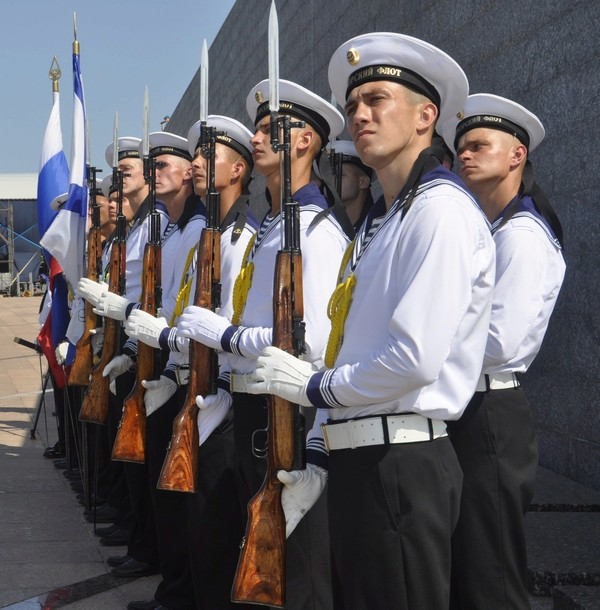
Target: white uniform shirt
134,253
529,273
322,248
175,249
418,322
232,254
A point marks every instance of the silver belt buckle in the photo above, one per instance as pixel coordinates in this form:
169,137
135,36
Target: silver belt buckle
325,437
238,382
182,375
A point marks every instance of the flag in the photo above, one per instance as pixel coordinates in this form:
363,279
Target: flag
65,238
55,327
53,180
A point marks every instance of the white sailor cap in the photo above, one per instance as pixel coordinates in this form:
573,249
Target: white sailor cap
299,102
399,58
230,133
99,190
106,186
58,201
347,150
495,112
167,143
128,147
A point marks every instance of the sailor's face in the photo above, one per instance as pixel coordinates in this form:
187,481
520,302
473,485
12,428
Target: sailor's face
133,175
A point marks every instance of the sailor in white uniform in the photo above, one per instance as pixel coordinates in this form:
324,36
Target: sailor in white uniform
495,439
203,519
322,243
408,336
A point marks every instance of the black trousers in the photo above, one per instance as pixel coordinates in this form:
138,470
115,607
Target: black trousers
497,449
308,560
67,404
175,591
112,483
142,544
392,510
215,522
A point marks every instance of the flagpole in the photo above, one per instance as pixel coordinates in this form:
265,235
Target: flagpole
75,41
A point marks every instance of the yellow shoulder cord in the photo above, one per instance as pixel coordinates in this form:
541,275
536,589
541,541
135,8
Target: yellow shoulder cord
242,285
338,308
185,286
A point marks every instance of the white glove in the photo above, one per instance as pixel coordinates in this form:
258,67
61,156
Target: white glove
97,340
213,409
111,305
77,322
90,290
301,490
203,325
61,352
158,391
117,366
144,327
282,374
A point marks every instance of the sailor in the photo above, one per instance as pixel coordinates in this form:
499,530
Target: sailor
495,439
158,509
210,519
408,336
322,242
137,529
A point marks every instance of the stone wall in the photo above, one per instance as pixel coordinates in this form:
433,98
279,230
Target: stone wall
544,55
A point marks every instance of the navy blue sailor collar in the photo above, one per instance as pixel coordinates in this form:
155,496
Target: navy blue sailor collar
306,195
440,172
524,205
239,215
193,207
309,194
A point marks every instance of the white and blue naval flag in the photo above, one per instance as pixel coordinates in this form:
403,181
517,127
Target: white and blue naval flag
53,178
66,236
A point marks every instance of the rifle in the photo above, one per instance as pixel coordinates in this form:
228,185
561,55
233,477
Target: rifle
83,362
94,407
260,576
336,160
180,468
129,443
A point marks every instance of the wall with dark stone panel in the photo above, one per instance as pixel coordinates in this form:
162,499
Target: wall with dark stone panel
546,56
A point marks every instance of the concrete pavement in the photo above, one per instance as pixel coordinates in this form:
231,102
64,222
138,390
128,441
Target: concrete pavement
49,556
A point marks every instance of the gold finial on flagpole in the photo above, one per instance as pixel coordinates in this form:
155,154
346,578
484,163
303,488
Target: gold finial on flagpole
54,74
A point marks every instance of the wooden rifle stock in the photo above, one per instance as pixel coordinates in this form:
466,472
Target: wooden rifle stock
83,362
180,468
94,407
260,575
129,445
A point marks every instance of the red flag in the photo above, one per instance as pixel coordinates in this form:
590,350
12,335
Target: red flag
54,328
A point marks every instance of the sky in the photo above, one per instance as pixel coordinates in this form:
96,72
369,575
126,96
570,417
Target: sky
125,45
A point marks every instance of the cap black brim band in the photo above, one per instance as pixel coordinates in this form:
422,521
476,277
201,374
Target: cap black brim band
301,112
357,162
234,145
491,121
170,150
128,154
396,74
